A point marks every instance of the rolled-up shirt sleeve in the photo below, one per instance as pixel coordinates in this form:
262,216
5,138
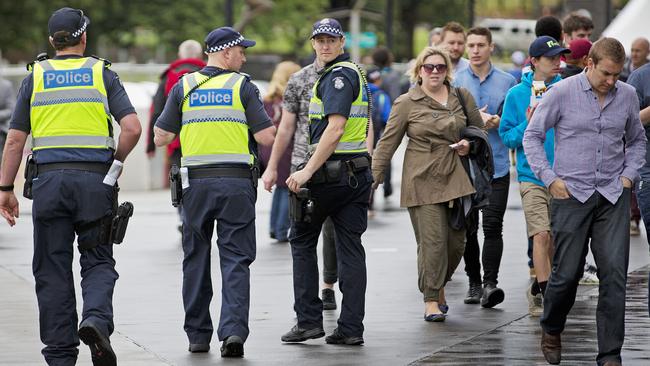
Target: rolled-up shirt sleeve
635,143
546,116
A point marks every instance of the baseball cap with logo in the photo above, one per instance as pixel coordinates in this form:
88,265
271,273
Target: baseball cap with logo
546,46
225,37
328,26
69,20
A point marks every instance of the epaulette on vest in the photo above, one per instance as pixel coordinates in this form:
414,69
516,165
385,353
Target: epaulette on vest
107,63
40,57
248,77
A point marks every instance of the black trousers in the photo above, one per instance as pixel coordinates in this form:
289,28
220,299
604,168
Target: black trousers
493,232
608,226
347,207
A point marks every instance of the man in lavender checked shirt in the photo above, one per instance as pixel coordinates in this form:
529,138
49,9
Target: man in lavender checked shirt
599,147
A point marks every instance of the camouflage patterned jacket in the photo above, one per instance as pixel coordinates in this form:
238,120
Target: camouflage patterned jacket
296,100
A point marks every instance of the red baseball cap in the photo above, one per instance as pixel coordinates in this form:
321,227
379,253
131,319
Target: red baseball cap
579,48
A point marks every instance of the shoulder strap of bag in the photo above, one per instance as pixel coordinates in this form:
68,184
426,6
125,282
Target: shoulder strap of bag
462,102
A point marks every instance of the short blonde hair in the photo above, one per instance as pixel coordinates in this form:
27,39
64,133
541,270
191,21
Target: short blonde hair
419,61
280,78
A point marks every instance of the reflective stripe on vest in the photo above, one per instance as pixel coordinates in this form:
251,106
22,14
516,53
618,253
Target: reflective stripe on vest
353,139
214,128
69,105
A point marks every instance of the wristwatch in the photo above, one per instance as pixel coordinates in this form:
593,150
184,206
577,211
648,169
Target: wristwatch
7,188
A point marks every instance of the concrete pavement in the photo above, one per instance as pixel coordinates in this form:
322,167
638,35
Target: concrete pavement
149,313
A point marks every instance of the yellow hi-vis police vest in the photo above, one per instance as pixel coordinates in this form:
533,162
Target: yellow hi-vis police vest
214,128
69,106
356,127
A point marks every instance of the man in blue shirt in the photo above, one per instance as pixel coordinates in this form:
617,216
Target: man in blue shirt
488,86
599,148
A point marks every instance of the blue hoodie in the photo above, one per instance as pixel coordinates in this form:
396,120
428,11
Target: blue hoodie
514,123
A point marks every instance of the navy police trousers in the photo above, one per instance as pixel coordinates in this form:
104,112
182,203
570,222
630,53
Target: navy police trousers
64,199
231,202
348,209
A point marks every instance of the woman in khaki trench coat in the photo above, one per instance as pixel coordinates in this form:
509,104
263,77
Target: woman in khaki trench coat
431,115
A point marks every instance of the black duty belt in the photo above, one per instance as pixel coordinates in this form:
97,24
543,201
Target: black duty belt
332,170
219,172
101,168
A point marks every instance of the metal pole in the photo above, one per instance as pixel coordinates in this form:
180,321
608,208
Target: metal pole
355,30
470,13
389,24
228,13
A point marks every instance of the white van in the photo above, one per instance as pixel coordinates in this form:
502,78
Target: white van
510,34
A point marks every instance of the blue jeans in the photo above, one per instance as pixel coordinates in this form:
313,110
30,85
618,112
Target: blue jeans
279,225
608,226
643,199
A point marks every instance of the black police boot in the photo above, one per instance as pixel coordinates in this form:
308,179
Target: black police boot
492,295
199,347
297,334
474,293
339,338
100,346
328,298
232,346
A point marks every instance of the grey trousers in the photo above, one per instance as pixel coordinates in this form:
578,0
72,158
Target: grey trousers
573,224
440,248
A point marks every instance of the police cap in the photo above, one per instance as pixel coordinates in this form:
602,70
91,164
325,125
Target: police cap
69,20
225,37
328,26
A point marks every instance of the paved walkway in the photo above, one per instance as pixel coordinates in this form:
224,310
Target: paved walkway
149,313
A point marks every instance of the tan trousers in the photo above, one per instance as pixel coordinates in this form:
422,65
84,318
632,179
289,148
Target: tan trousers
440,248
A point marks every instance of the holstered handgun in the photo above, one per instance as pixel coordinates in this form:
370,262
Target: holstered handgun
121,221
301,207
30,174
176,185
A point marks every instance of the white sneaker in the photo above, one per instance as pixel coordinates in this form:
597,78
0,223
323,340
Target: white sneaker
634,228
590,276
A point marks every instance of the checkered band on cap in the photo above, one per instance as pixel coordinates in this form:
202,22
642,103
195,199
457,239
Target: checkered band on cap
226,45
81,30
326,29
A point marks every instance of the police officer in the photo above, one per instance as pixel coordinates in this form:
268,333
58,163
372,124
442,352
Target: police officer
219,116
339,181
66,103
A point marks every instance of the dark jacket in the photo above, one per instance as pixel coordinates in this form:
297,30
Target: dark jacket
570,70
479,167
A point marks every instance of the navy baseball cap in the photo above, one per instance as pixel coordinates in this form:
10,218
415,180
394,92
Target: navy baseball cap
225,37
70,20
328,26
546,46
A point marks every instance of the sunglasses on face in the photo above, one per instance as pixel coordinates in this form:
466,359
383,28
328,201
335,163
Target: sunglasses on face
428,68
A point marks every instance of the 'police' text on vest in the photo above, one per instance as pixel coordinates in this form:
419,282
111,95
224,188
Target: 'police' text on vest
211,97
63,78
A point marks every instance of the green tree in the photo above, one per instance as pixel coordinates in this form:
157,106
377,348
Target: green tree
289,21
